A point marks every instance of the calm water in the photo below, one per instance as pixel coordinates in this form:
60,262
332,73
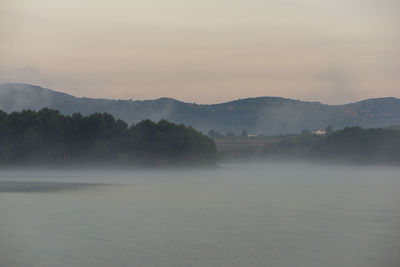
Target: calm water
238,215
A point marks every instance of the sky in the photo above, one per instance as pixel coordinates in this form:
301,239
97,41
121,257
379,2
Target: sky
206,51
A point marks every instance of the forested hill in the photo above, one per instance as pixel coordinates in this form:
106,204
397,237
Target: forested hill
262,115
351,145
49,138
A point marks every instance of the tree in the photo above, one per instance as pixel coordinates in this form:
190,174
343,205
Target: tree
214,134
47,136
244,133
329,129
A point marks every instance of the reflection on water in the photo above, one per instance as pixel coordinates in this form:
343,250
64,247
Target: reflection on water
238,215
11,186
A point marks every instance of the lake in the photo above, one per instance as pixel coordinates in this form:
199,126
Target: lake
236,215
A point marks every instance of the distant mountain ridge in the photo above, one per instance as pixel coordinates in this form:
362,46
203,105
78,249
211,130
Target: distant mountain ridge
261,115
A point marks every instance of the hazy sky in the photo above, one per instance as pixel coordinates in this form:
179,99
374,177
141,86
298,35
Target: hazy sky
204,51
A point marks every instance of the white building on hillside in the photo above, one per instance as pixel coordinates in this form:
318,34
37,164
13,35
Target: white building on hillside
319,132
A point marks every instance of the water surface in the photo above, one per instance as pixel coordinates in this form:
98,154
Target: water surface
237,215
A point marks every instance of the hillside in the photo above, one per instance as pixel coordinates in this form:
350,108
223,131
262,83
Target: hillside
266,115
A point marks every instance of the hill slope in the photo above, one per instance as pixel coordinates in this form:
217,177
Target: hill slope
267,115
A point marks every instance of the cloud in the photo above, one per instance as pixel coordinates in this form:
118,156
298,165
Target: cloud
207,51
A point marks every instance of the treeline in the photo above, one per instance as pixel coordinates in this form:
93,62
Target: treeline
349,145
48,137
355,144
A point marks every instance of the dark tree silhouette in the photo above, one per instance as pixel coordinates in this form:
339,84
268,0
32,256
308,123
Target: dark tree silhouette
48,137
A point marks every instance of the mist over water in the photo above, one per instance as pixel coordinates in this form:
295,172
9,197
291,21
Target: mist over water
236,215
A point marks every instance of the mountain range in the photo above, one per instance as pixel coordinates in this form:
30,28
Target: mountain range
260,115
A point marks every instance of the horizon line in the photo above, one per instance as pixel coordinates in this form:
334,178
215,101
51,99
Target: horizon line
195,103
